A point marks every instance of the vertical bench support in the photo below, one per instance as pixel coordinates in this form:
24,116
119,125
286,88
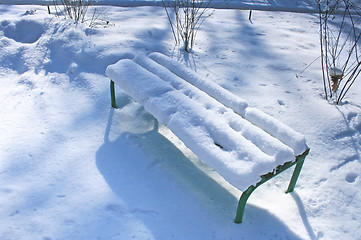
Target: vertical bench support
242,203
112,94
245,195
296,172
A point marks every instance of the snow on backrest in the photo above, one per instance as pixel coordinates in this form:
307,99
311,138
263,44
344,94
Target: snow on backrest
285,134
224,96
136,81
257,136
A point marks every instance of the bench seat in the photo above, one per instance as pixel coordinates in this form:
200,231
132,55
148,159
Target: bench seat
241,143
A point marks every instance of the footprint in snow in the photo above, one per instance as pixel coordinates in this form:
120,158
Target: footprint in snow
351,115
14,213
351,177
354,126
144,212
116,210
23,31
347,160
120,211
356,123
344,134
320,182
281,102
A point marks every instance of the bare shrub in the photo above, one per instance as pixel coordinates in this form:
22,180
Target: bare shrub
189,16
77,10
96,19
340,35
73,9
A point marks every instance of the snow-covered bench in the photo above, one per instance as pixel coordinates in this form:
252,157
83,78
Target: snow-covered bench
244,145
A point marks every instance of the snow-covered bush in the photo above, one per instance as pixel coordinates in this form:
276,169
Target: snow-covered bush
340,35
189,16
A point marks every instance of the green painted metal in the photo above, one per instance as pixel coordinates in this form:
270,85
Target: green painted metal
242,203
296,172
264,178
112,94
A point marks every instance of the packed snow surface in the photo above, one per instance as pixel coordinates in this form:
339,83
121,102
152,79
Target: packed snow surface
72,167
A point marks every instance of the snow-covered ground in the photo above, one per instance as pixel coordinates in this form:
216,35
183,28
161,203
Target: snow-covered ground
280,5
71,167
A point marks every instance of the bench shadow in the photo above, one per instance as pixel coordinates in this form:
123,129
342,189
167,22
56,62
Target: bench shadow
162,187
303,215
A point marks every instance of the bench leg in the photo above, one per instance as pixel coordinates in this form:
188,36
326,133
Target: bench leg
245,195
296,172
112,94
242,203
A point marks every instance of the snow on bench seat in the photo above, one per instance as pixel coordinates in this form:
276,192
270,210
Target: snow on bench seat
269,124
241,143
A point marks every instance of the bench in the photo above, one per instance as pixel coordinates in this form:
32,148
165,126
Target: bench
243,144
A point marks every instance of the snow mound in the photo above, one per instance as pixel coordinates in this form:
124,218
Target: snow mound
239,150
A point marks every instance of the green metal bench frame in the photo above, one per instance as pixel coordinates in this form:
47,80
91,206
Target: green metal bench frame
264,178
